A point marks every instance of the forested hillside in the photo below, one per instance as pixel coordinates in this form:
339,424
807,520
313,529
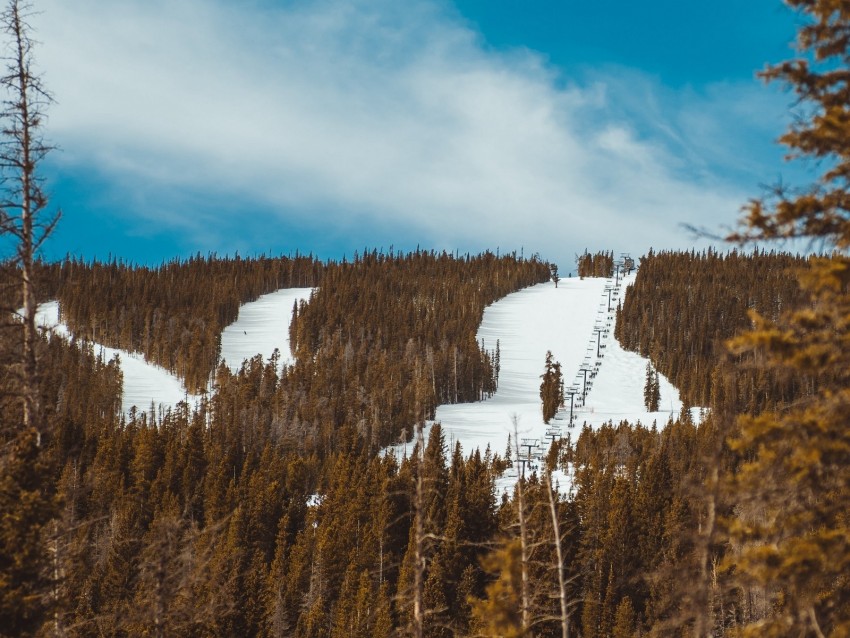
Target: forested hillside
269,513
684,306
80,395
227,488
173,314
387,338
272,509
201,527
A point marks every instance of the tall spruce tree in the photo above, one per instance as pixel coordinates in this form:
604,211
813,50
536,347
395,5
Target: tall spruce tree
651,389
551,388
794,486
656,392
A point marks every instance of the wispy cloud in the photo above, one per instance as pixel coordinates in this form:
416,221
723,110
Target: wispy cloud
393,114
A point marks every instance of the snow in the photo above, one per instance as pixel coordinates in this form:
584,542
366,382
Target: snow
617,392
144,383
262,326
561,319
566,319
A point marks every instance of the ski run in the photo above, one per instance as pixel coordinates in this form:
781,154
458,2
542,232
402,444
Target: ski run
574,320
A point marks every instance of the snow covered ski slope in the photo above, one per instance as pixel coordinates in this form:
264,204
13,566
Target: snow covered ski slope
145,384
262,326
562,319
567,319
526,324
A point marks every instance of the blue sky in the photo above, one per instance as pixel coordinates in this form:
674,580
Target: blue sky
268,127
682,43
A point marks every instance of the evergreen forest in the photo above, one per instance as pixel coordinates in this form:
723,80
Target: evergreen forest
271,508
270,512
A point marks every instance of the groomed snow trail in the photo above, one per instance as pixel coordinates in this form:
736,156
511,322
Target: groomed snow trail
262,326
526,324
617,392
144,383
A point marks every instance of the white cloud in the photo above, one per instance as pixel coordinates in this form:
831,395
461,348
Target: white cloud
390,113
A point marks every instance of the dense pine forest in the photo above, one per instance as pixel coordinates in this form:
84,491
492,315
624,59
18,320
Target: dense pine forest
268,512
173,314
383,340
600,264
271,509
685,306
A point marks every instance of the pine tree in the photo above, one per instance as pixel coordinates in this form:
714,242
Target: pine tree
651,389
624,621
656,392
795,482
551,388
500,613
25,509
27,503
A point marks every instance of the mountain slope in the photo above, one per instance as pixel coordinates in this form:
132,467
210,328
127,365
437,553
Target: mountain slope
262,326
562,319
144,384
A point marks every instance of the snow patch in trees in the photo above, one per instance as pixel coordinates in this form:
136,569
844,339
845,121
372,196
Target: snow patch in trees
145,384
262,326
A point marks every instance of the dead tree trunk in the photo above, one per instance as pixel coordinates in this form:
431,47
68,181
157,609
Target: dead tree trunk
556,530
419,541
525,593
24,201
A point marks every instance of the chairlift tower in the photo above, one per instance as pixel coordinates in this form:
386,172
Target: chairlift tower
522,465
584,369
573,391
609,289
598,330
530,443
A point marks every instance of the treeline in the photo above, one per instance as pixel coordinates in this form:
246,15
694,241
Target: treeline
80,396
388,338
173,313
684,306
655,551
201,526
205,523
755,337
674,517
600,264
268,513
639,515
382,342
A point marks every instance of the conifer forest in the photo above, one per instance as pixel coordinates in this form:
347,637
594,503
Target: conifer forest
271,508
